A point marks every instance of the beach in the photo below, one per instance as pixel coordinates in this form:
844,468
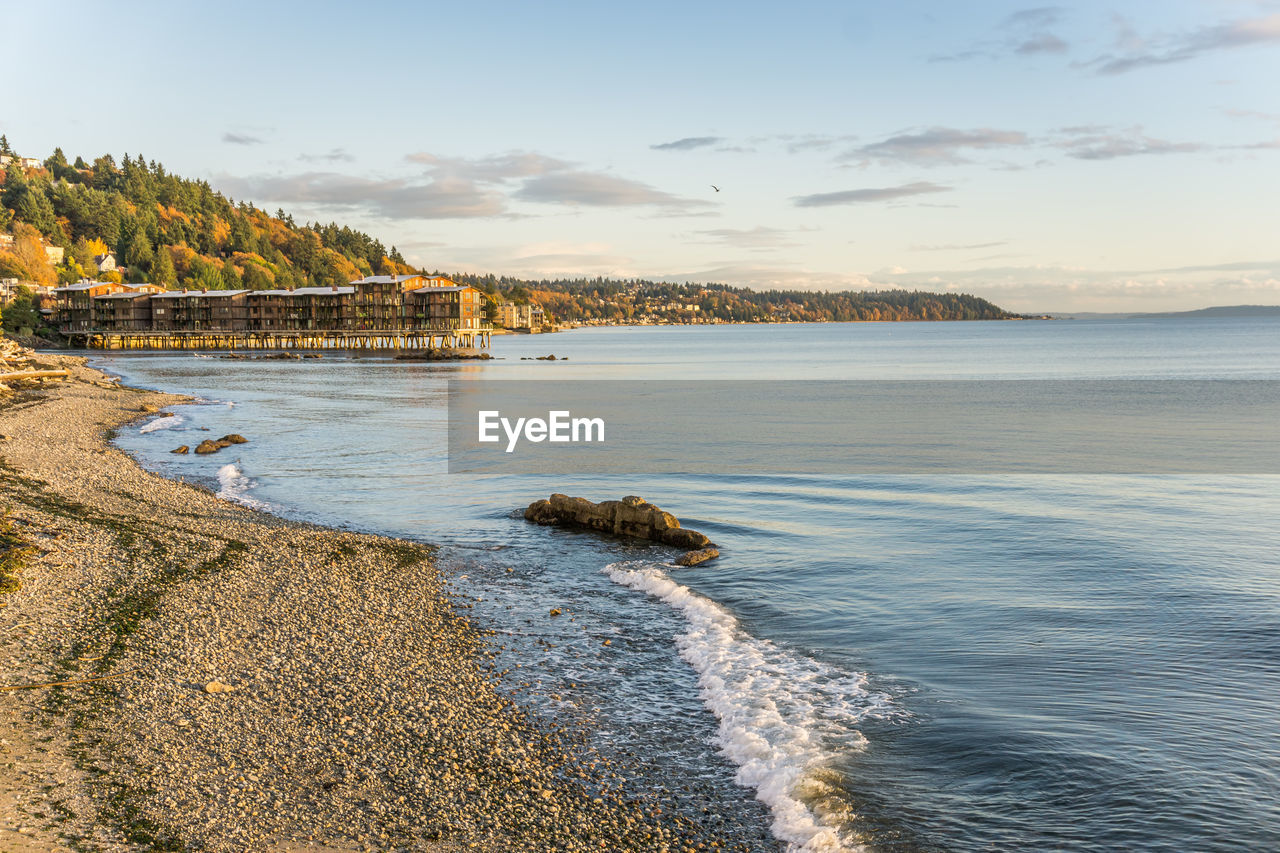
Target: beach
235,681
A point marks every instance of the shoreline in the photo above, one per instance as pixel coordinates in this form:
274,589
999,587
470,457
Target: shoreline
362,710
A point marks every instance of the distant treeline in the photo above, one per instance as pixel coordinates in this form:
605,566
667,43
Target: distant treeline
624,300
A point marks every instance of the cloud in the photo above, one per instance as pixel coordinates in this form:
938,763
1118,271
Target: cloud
493,169
1246,32
398,198
337,155
937,145
956,247
813,142
240,139
1108,146
460,188
1256,114
596,189
1041,43
1023,33
759,238
869,194
688,143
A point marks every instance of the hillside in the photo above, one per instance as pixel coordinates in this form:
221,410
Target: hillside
638,300
61,218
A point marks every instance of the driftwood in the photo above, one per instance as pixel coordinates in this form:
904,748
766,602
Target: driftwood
35,374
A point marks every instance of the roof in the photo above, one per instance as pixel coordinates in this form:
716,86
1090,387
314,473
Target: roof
321,291
85,285
426,291
175,294
390,279
126,295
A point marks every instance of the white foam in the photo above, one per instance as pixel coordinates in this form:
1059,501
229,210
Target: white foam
782,716
163,423
233,485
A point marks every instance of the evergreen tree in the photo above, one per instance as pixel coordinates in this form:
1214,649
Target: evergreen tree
162,271
230,278
138,253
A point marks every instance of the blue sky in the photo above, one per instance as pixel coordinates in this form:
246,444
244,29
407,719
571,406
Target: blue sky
1117,156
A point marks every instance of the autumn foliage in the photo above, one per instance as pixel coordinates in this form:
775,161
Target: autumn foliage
169,230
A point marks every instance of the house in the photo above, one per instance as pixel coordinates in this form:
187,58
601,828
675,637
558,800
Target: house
25,162
105,263
520,316
6,241
74,303
55,254
388,302
126,311
327,308
8,290
441,307
200,310
73,310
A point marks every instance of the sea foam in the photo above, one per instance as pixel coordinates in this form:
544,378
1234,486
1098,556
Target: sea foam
783,717
163,423
233,485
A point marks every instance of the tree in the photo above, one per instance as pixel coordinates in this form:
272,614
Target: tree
29,250
4,146
34,208
162,271
20,313
230,278
138,253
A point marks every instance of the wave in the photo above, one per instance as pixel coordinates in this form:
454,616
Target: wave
234,486
783,717
167,422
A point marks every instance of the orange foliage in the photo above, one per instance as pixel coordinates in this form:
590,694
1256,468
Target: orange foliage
242,258
29,251
98,247
182,257
221,232
171,214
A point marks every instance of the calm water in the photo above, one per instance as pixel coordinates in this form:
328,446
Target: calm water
900,663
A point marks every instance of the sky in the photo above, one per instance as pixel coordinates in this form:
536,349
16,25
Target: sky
1082,157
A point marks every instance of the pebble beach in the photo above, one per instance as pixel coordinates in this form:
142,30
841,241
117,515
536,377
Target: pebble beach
184,673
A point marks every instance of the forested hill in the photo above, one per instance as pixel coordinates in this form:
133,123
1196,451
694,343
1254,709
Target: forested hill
179,232
167,230
638,300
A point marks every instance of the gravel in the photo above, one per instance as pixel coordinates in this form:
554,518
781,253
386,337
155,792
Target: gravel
273,685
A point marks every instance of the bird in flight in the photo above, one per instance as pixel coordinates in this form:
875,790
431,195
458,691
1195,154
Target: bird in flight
716,188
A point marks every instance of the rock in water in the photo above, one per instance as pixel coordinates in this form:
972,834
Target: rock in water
210,445
693,558
631,516
182,449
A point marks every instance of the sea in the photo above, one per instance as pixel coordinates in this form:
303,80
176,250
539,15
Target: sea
916,662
